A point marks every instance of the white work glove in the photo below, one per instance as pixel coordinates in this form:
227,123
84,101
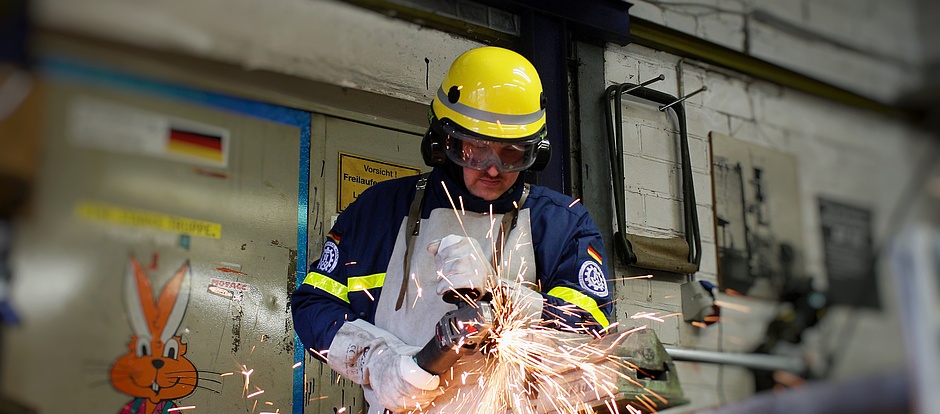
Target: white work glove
525,303
382,363
460,264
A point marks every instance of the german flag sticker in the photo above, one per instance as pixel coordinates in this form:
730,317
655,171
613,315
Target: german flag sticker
196,145
594,254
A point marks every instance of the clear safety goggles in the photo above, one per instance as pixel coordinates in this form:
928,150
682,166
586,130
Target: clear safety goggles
480,154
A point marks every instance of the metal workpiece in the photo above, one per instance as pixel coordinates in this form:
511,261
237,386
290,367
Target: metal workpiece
636,361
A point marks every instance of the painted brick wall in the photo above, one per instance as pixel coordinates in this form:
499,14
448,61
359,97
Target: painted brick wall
842,153
867,46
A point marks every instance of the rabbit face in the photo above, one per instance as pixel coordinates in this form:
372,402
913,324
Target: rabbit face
154,370
155,367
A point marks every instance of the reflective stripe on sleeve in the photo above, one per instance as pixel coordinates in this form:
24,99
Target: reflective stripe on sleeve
361,283
327,285
580,300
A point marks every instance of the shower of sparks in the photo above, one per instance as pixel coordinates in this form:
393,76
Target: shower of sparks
526,367
530,369
188,407
647,315
255,394
297,365
576,201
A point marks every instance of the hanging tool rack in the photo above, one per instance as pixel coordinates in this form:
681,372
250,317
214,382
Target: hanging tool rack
678,255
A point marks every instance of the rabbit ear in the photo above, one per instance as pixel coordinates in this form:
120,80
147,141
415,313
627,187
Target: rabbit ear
173,301
137,292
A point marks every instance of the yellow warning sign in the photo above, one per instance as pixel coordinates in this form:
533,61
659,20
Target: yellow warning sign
357,173
147,219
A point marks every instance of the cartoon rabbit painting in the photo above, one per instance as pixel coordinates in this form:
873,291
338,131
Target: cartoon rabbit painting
155,370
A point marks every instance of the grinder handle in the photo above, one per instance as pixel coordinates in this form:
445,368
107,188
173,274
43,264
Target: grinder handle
457,296
434,359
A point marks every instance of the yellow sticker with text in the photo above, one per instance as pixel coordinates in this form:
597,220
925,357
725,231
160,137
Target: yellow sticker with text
147,219
358,173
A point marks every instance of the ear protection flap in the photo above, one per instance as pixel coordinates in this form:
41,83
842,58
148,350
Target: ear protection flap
543,154
432,148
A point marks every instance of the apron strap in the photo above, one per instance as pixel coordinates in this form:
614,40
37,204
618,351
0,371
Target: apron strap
414,227
506,225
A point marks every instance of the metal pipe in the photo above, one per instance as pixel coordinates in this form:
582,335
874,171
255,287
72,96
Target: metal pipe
757,361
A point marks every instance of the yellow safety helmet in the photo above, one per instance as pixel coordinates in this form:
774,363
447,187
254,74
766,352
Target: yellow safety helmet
494,95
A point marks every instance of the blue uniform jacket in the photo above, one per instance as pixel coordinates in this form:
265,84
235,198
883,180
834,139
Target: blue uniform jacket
568,249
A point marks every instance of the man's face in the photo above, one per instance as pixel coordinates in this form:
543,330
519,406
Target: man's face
488,184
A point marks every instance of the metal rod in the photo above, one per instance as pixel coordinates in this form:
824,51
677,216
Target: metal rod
702,89
758,361
651,81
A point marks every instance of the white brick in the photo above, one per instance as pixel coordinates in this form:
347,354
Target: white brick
618,66
663,213
793,111
722,28
698,154
702,184
866,75
647,11
767,136
649,69
700,121
652,176
706,223
659,294
667,330
636,209
790,10
902,21
630,140
727,96
680,21
709,258
659,143
835,19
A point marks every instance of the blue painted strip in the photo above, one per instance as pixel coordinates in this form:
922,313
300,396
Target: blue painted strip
303,192
86,74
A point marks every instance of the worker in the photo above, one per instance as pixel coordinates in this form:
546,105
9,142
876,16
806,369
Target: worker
373,298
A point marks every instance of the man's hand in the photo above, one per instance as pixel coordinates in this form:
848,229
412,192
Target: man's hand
383,364
527,304
460,264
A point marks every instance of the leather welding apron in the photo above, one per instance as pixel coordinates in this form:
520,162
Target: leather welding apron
422,307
